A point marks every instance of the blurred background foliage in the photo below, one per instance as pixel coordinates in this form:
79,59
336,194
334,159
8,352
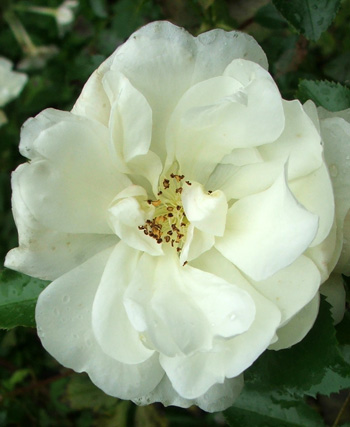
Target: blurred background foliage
58,57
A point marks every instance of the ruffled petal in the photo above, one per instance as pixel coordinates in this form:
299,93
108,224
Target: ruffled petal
193,375
72,151
300,143
211,118
291,288
207,212
110,323
315,193
218,398
128,211
297,328
181,309
63,316
197,242
267,231
184,61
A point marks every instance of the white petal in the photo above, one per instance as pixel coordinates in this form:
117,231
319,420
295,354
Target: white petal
326,254
218,398
193,375
207,212
46,253
62,187
94,94
158,307
214,117
297,328
291,288
63,316
241,181
315,193
300,143
183,62
196,243
135,115
111,326
335,294
127,212
267,231
336,135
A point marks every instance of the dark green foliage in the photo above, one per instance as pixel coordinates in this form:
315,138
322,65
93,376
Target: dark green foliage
309,17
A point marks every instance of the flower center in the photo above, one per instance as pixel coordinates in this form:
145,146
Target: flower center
169,224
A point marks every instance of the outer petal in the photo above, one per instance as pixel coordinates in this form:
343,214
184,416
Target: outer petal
63,315
181,309
292,287
213,117
110,323
297,328
193,375
267,231
72,151
300,143
315,193
183,62
218,398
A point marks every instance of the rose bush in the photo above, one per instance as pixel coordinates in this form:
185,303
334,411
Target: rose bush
186,215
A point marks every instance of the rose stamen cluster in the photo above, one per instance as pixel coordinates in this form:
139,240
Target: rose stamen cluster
170,223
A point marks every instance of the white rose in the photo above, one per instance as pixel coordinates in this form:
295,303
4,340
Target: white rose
185,214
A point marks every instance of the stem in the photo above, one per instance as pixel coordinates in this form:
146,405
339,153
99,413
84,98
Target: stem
20,33
342,409
36,9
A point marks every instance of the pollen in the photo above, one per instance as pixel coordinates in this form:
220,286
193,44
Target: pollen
169,224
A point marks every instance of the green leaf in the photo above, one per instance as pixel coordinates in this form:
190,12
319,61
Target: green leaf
18,296
332,96
303,368
265,409
269,17
339,68
309,17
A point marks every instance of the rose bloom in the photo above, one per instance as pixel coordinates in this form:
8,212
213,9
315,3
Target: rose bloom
186,215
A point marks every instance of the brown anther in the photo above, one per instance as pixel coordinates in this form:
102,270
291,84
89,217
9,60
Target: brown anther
141,227
166,183
183,265
188,183
159,241
177,177
170,233
178,249
149,201
146,232
170,215
169,208
172,243
178,190
159,193
178,207
209,192
156,203
160,219
167,239
183,224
